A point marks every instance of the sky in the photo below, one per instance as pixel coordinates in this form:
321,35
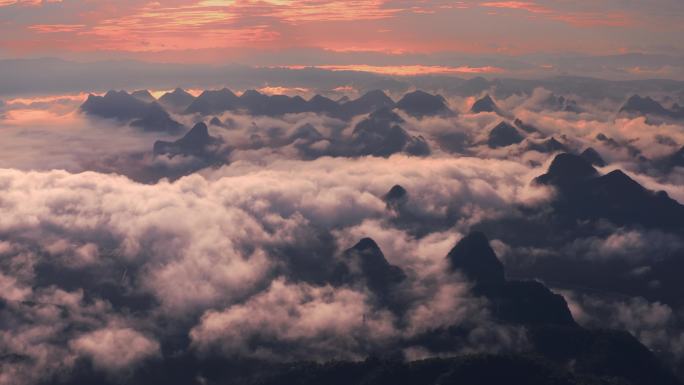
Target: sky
290,32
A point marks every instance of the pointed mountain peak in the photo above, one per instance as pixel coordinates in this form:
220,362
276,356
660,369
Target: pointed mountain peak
395,197
375,268
484,104
397,192
504,135
367,245
366,263
474,257
567,169
199,131
593,157
378,95
552,141
487,99
250,93
321,99
571,166
644,105
420,103
621,181
114,93
144,95
215,121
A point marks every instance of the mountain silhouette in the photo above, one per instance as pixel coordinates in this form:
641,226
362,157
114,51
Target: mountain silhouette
593,157
395,197
550,145
256,103
125,108
473,256
485,104
196,142
178,100
647,106
212,102
144,95
322,105
381,135
524,302
503,135
366,264
215,121
550,326
420,104
585,194
367,103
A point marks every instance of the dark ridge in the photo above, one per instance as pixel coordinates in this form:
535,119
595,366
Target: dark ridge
586,195
156,118
381,135
114,105
516,302
503,135
485,104
177,100
144,95
307,132
214,102
321,104
196,142
395,193
365,263
126,108
567,167
550,145
644,105
395,197
216,122
420,104
369,102
473,256
593,157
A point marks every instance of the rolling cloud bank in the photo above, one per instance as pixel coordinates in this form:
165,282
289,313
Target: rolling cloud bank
344,234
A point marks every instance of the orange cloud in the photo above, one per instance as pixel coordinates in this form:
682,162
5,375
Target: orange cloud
32,3
582,19
207,24
523,5
296,11
56,28
408,70
213,30
270,90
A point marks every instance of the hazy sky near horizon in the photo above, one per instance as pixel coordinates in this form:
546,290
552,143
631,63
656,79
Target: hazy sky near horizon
221,30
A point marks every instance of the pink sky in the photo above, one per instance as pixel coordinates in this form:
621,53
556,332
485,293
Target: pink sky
213,31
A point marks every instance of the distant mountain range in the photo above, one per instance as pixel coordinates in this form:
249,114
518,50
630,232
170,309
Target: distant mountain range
646,106
585,194
144,111
126,108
